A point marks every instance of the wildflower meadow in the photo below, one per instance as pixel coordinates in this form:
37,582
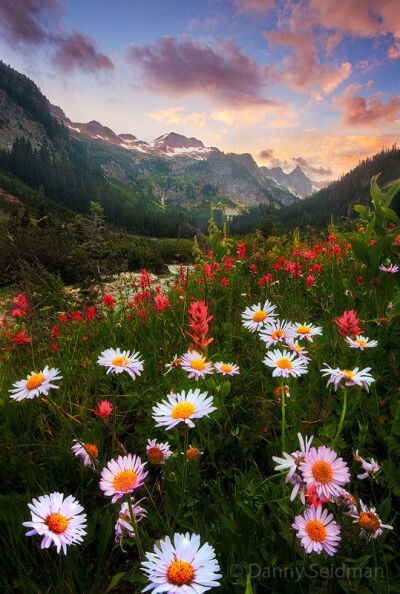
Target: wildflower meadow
234,431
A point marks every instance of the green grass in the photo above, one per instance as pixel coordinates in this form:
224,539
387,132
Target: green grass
232,497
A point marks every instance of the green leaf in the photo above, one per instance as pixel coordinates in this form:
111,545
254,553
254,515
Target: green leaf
116,579
390,194
375,191
390,214
362,210
249,589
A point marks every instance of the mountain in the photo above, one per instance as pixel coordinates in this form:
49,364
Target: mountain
338,199
176,169
295,182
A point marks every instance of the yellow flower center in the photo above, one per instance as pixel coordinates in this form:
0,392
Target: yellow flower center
35,381
284,363
125,481
183,410
322,471
180,573
120,361
226,368
192,453
369,521
277,334
348,373
316,530
91,450
303,330
57,523
155,455
361,342
259,316
198,364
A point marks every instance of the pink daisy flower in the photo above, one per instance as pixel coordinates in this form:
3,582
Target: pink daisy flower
317,531
122,476
325,470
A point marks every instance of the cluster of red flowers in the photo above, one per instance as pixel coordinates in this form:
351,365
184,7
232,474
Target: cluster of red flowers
198,320
108,301
348,324
144,279
21,304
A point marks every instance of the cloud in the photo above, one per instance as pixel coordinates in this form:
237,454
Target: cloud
302,69
370,84
310,169
181,68
359,18
256,6
357,111
273,161
78,52
394,51
28,22
37,23
175,116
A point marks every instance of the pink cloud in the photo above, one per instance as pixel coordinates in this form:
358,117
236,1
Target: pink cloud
27,22
394,51
360,18
256,6
301,162
183,68
357,111
303,69
77,51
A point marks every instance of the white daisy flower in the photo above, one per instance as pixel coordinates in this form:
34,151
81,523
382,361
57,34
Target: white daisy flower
299,350
58,520
35,384
255,316
348,377
119,361
392,268
125,525
317,531
196,364
226,368
182,407
87,451
181,566
370,468
323,469
369,522
285,364
174,364
307,331
291,463
276,331
157,453
122,476
361,342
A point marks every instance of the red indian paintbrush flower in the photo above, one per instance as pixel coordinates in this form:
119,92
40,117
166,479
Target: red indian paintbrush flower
21,338
199,318
348,324
104,409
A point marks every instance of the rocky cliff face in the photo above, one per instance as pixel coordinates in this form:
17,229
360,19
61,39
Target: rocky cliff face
15,122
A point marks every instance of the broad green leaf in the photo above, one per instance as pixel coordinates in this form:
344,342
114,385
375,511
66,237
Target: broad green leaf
390,194
115,581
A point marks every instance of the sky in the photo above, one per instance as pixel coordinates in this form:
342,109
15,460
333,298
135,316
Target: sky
314,83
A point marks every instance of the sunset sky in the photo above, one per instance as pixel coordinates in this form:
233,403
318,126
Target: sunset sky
313,82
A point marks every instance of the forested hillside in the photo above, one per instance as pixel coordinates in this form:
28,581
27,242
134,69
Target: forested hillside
337,200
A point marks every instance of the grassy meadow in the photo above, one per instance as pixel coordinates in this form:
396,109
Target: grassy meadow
227,489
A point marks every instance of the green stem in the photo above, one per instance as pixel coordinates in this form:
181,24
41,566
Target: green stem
283,417
342,417
135,523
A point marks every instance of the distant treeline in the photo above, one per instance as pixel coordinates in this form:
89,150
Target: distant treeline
339,198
